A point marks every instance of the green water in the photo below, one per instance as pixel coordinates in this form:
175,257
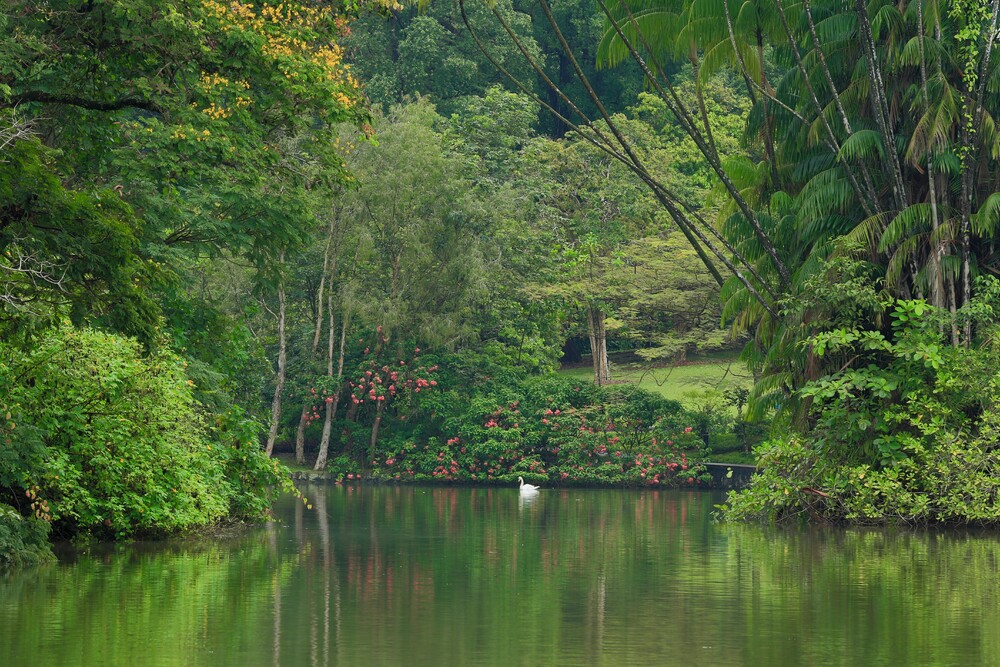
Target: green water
421,576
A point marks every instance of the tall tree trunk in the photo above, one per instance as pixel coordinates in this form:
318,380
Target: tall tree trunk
818,49
880,105
768,122
934,280
968,171
952,300
598,346
971,157
331,407
373,442
700,94
300,433
279,385
347,434
818,106
683,116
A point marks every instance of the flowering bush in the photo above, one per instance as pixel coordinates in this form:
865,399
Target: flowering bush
551,431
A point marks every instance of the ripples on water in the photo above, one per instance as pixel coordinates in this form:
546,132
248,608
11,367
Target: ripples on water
438,576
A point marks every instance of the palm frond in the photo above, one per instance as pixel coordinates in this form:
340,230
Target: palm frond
914,219
862,145
867,232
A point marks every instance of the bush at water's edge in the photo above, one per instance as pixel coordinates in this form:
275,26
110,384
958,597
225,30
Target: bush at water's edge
104,439
23,540
547,429
954,482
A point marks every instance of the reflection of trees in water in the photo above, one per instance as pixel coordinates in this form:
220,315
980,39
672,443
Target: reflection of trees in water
908,597
142,603
408,575
434,559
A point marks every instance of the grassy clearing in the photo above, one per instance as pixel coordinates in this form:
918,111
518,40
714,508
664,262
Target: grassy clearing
699,381
685,383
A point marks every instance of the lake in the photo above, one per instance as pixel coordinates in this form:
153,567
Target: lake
456,576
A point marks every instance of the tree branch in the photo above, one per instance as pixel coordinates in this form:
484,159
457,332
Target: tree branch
84,103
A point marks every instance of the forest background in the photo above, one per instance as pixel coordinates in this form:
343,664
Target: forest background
229,229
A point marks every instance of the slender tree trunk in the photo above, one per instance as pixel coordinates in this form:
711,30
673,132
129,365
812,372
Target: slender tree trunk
966,283
880,106
820,115
952,300
971,160
934,280
331,401
373,442
279,385
346,436
768,123
331,407
300,433
700,94
598,346
870,189
680,110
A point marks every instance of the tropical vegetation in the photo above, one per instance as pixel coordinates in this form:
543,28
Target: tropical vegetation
857,236
364,237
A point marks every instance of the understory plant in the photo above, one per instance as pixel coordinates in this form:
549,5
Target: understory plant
550,430
114,445
908,431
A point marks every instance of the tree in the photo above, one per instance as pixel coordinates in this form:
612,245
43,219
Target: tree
590,214
426,52
669,305
417,261
842,159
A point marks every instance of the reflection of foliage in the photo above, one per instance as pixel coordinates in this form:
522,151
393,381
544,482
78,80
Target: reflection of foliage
608,578
188,589
23,540
830,576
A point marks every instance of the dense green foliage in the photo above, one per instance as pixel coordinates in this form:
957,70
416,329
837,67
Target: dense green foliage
117,445
140,143
194,231
491,429
851,238
183,217
515,582
907,433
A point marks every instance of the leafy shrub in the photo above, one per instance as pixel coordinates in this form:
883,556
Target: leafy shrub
125,450
907,432
548,430
23,540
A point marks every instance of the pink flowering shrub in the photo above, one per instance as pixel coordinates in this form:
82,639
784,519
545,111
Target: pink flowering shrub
554,432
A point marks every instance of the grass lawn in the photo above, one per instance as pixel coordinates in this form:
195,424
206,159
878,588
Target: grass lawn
687,383
682,382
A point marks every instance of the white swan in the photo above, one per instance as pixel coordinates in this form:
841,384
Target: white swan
527,488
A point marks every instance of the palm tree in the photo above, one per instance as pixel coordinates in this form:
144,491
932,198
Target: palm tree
877,130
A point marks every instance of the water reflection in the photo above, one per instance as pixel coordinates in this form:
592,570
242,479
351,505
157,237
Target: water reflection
431,576
526,499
